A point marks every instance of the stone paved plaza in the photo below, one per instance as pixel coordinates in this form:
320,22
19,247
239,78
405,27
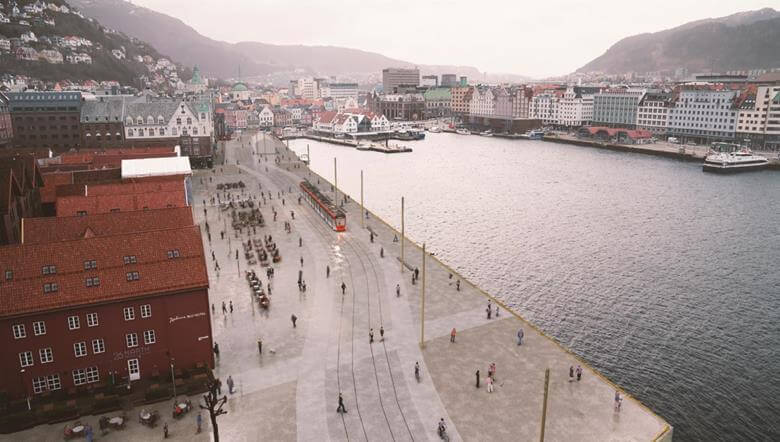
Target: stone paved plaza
290,391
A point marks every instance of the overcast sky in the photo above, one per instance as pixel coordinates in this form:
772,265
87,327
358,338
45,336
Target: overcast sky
536,38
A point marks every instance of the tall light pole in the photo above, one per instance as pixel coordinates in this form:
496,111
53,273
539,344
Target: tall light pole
173,378
403,237
362,209
26,392
422,302
335,183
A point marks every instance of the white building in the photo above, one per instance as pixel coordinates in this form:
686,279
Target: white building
266,117
148,118
482,102
308,87
653,113
703,113
758,120
575,108
544,106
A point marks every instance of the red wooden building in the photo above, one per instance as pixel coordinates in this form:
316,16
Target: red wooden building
102,301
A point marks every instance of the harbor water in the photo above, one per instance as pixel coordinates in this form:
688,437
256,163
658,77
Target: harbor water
662,277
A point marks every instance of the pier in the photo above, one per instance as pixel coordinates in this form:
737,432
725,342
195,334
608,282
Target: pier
360,145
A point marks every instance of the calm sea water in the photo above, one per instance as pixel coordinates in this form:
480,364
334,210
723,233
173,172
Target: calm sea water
664,278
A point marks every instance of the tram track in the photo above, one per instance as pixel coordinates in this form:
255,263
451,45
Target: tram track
359,249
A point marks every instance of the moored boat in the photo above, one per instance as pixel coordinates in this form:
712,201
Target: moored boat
731,158
463,131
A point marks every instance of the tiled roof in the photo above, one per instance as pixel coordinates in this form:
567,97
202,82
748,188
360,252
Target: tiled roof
24,293
122,195
66,228
103,110
9,189
327,117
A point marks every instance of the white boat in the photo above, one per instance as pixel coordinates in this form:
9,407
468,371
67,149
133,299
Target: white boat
535,134
730,158
487,133
364,146
435,129
463,131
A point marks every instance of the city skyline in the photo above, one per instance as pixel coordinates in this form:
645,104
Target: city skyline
503,34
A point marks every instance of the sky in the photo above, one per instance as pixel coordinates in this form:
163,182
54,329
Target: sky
534,38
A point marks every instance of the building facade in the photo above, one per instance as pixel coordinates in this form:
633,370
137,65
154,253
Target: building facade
449,80
6,128
393,78
653,113
461,100
617,107
704,114
46,119
575,108
103,309
437,102
758,120
482,104
402,107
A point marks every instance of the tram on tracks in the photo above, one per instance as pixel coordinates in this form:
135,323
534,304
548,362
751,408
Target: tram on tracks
329,212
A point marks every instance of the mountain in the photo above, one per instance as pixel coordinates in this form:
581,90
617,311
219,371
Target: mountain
745,40
217,58
105,65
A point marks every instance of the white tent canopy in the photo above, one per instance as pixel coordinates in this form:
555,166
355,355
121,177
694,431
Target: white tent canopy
146,167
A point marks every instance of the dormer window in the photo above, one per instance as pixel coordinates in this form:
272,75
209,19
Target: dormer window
90,264
173,253
129,121
149,120
178,120
130,259
9,275
139,120
49,270
160,120
50,287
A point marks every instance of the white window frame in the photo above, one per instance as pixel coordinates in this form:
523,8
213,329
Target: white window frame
39,384
19,331
129,313
146,311
90,321
131,339
93,374
134,369
150,337
98,346
39,328
53,382
26,359
73,323
80,349
46,355
79,376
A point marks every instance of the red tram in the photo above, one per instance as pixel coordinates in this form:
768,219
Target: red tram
321,204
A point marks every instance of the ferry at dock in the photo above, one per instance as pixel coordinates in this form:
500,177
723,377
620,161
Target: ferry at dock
731,158
463,131
534,134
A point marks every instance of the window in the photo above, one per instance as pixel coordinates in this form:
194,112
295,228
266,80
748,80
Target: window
73,322
133,276
19,331
149,337
49,270
80,349
39,328
46,355
91,264
146,310
129,313
132,340
79,376
92,319
39,384
98,346
173,253
53,382
93,375
9,275
93,281
50,287
81,213
25,358
130,259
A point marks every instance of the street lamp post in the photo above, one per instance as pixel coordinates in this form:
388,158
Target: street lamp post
173,378
26,392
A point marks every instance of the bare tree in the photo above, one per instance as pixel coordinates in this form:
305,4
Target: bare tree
214,405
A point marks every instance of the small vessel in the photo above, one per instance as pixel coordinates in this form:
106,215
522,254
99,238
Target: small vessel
364,146
463,131
435,129
730,158
487,133
535,134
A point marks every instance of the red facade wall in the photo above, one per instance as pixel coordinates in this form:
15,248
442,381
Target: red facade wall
181,322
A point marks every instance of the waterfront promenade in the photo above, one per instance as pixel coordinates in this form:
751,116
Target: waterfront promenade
290,391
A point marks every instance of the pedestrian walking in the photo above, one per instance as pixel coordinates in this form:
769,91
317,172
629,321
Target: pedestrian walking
224,308
341,408
457,285
219,387
327,271
372,236
492,370
301,260
216,350
381,252
199,421
520,335
231,307
618,400
371,336
300,242
398,290
489,382
489,311
452,335
212,308
165,431
497,310
477,378
416,273
230,384
343,288
571,373
417,371
382,332
579,373
213,256
293,318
